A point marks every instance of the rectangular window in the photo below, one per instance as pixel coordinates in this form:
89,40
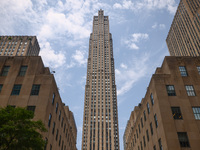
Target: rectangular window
5,71
176,112
53,98
139,128
141,122
151,127
183,139
196,111
1,86
170,90
57,134
198,68
154,147
49,122
144,115
152,100
156,121
148,108
160,144
22,71
190,90
59,114
147,132
53,129
59,140
144,141
183,71
141,145
31,108
35,89
56,107
16,89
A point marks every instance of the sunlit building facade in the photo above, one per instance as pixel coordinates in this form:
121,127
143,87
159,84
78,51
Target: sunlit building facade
184,36
100,120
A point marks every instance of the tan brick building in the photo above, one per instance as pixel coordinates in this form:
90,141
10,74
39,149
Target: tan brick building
25,82
19,46
168,117
184,36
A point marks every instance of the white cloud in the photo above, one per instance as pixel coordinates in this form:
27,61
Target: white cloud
123,66
135,38
80,57
169,5
50,57
126,77
159,26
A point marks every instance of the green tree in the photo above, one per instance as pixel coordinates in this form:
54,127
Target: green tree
18,131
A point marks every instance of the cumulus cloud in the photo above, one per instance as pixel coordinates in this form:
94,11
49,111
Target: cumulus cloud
50,57
134,39
127,76
159,26
169,5
79,57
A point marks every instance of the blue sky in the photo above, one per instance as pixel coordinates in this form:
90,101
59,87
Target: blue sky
139,29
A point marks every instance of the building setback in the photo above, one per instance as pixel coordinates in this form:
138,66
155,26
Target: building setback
25,82
184,36
100,119
168,116
19,46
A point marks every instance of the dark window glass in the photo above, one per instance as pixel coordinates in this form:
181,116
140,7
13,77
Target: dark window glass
49,123
160,144
141,145
50,147
139,128
183,139
151,127
170,90
154,147
56,107
62,145
152,100
22,71
176,112
62,122
45,146
31,108
144,141
53,129
198,68
144,115
1,86
35,89
57,134
190,90
5,71
196,111
156,121
183,71
137,133
141,122
53,98
147,132
16,89
59,140
138,148
59,114
148,108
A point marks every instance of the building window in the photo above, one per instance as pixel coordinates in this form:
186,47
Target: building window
22,71
196,111
56,107
198,68
53,129
53,98
35,89
148,108
59,140
16,89
31,108
1,86
62,122
141,145
154,147
152,100
50,147
170,90
156,121
160,144
45,146
141,122
147,132
183,139
144,115
57,134
151,127
59,114
49,122
183,71
190,90
5,71
144,141
176,112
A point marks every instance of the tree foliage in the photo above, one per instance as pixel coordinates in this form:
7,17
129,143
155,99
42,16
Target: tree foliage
18,131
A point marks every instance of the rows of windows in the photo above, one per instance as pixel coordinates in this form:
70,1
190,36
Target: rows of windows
6,69
189,89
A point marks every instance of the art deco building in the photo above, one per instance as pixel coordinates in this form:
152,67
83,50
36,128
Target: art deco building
100,120
184,36
25,82
168,117
19,46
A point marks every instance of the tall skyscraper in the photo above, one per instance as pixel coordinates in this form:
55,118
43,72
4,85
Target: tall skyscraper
184,36
100,120
19,46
